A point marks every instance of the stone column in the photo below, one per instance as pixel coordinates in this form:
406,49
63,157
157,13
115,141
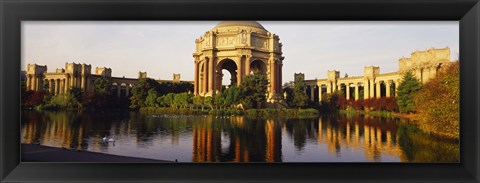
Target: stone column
28,85
195,84
74,82
366,87
62,86
205,76
127,90
82,83
240,73
211,80
348,90
387,89
272,77
372,88
356,91
329,87
55,91
50,86
378,89
68,84
280,80
247,65
319,93
37,86
65,85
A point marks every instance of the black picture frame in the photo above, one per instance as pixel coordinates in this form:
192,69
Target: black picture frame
13,12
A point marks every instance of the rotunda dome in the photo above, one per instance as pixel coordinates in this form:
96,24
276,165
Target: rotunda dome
239,23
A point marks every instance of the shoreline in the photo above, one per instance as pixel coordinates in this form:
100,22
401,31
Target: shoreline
40,153
409,116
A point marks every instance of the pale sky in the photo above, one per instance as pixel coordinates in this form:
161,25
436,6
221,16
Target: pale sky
162,48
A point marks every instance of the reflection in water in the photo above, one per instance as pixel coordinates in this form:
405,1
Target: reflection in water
236,139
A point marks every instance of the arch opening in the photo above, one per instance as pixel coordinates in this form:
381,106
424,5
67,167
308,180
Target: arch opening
258,66
227,66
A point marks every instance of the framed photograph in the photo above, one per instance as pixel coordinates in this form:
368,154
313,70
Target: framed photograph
239,91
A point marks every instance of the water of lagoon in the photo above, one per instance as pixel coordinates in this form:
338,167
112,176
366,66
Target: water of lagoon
329,138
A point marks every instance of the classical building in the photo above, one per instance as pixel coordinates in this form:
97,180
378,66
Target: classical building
241,48
80,76
425,65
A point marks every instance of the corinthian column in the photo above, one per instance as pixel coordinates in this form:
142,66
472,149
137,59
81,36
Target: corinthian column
240,72
356,91
205,76
387,89
372,88
378,89
319,92
272,76
195,86
211,79
348,91
247,65
366,86
329,87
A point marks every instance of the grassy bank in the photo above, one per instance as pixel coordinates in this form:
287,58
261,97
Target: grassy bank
251,113
384,114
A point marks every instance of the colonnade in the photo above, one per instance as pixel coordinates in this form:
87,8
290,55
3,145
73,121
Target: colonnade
117,88
372,88
59,84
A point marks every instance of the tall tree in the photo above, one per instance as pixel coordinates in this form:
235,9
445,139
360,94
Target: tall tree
299,94
151,100
406,91
140,92
101,97
254,88
101,86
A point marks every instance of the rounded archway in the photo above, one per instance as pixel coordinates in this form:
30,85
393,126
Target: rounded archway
258,66
227,65
236,49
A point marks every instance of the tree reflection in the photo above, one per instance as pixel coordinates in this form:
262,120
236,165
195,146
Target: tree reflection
238,139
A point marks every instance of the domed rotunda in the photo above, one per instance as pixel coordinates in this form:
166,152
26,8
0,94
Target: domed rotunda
241,48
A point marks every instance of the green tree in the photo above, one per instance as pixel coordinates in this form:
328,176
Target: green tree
438,103
161,101
101,86
101,97
169,99
140,92
406,91
233,96
199,100
77,94
182,99
299,94
219,100
288,93
209,101
151,100
254,87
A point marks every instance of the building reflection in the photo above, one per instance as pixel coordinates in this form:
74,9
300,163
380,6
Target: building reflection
236,139
370,134
248,141
62,130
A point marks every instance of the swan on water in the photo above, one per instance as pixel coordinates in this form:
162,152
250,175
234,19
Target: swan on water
106,139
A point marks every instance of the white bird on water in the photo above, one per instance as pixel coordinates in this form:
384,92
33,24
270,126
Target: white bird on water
106,139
